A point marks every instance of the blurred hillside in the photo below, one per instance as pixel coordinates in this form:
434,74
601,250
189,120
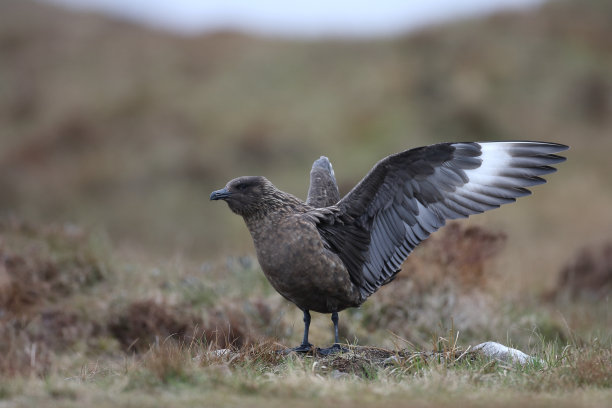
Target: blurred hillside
127,129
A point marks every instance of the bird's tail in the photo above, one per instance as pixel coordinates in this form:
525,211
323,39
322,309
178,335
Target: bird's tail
324,163
323,190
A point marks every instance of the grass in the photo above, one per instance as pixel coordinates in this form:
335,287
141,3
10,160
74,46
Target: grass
96,343
257,376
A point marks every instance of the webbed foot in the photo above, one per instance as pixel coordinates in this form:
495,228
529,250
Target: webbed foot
302,348
335,348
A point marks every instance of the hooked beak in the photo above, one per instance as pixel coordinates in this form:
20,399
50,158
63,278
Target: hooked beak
220,194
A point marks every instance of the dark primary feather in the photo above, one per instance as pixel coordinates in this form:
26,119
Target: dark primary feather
409,195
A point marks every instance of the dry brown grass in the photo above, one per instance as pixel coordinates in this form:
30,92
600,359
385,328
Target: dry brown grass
40,268
447,277
120,149
59,351
588,274
43,266
458,254
147,322
591,367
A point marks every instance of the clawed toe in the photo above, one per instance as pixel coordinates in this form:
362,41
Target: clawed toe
302,348
307,348
336,348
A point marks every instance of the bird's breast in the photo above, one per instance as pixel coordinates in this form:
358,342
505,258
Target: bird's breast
292,256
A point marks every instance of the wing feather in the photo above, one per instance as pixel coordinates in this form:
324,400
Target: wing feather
409,195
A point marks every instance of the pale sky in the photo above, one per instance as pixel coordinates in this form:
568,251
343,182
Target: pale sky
313,18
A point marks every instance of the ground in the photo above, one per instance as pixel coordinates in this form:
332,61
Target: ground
82,326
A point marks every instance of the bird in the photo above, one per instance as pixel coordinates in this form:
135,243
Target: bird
328,253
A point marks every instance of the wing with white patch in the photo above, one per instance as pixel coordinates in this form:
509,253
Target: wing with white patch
409,195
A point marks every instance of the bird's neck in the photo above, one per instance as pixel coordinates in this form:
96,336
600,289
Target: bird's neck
273,209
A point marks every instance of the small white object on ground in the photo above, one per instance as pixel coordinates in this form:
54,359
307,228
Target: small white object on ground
221,352
500,352
215,353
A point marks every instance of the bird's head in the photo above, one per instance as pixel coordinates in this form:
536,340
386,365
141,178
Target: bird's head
246,195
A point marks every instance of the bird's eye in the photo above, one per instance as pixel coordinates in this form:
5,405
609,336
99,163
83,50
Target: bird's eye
241,187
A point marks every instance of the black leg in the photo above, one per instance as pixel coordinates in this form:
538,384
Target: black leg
336,348
334,318
306,329
305,347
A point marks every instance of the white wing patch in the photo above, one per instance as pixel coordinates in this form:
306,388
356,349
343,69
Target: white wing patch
479,177
495,157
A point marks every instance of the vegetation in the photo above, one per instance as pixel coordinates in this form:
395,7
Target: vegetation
80,326
121,286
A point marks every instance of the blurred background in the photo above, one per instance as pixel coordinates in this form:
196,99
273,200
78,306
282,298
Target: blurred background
121,117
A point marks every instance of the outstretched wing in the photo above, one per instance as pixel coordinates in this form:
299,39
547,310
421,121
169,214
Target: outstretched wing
409,195
323,191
